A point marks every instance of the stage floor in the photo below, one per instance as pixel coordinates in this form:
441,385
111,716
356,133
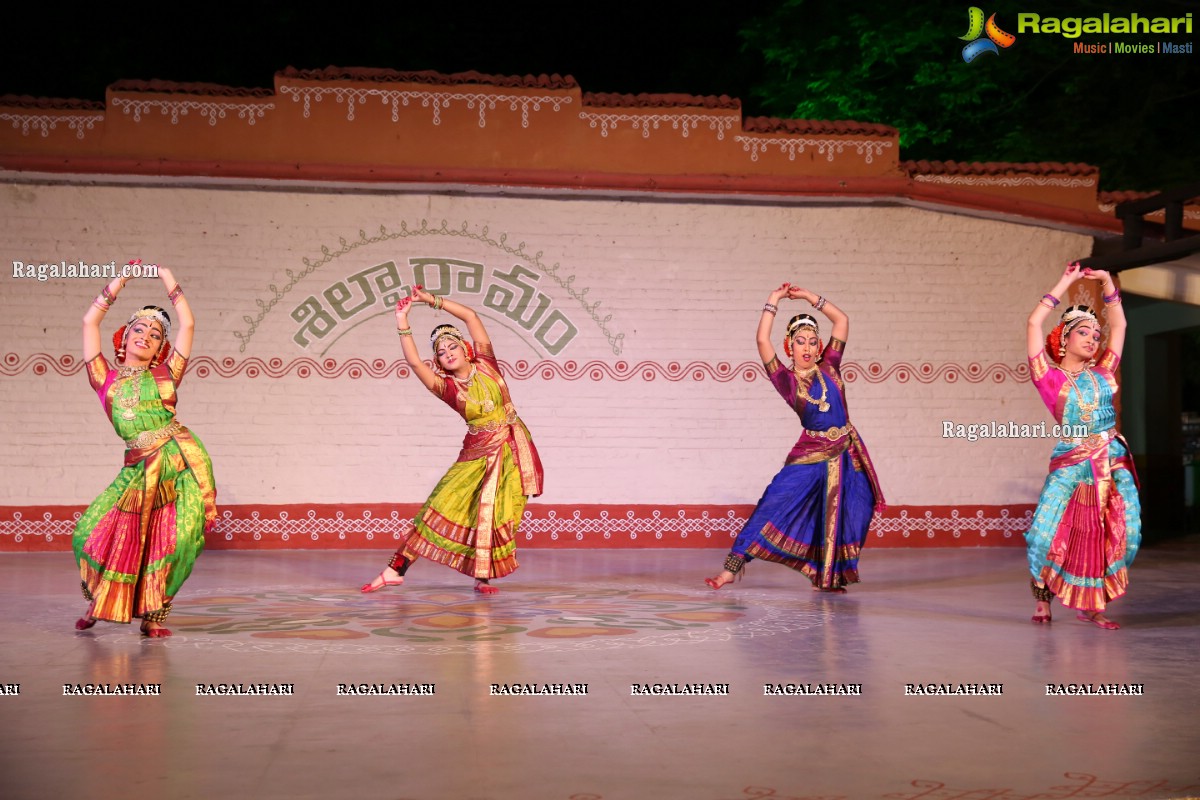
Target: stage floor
942,620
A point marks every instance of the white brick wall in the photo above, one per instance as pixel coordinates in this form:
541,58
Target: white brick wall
683,281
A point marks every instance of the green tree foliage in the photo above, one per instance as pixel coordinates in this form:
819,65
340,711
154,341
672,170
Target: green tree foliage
1134,116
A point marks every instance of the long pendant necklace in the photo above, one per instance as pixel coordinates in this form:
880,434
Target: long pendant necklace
823,401
131,379
1085,408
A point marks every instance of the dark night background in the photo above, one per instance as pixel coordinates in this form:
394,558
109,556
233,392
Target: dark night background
1134,116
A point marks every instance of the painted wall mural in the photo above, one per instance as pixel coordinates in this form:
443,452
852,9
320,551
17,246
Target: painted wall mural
515,293
625,328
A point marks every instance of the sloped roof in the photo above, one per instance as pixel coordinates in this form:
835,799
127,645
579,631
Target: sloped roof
842,127
996,168
380,75
612,100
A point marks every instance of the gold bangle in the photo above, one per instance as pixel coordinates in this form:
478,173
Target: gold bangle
437,302
404,331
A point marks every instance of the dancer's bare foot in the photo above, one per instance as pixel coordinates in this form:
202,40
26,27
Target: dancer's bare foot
1041,614
483,587
389,577
725,577
154,630
1098,619
85,622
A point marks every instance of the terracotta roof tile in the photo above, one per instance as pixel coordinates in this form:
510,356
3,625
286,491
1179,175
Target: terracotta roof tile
612,100
996,168
206,89
842,127
378,75
49,103
1117,198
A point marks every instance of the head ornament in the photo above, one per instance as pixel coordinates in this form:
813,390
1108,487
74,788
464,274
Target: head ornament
1075,315
450,332
445,331
1072,318
803,321
152,313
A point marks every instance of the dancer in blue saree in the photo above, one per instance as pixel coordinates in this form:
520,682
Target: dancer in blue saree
814,515
1087,527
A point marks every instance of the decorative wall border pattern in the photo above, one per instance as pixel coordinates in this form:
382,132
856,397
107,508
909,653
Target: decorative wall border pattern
13,365
209,109
353,96
1082,784
903,372
868,148
684,123
925,522
359,526
312,525
1006,180
615,525
48,122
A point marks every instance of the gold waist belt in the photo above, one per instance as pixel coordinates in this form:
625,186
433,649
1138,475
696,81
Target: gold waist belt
147,438
494,425
1095,440
832,434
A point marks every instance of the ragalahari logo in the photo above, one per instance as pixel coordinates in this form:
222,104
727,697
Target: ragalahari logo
977,46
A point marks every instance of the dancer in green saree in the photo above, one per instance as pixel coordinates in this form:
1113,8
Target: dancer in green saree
136,543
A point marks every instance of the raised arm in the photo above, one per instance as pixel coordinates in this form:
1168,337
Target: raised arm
424,374
185,322
467,314
841,322
1116,311
766,350
1034,335
95,315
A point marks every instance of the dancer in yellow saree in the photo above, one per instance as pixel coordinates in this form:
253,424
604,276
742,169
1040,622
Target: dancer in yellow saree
136,543
469,523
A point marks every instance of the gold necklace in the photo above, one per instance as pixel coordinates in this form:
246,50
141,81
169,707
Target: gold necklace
128,372
823,401
1085,408
465,382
